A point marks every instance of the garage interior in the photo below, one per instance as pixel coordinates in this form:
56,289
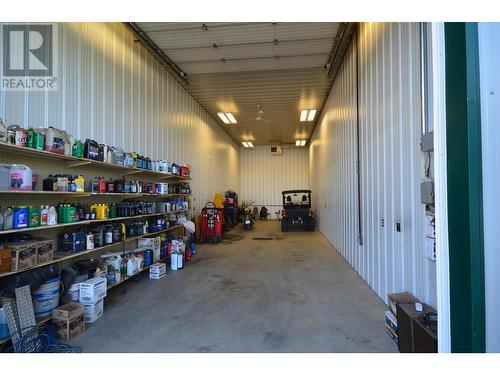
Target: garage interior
345,110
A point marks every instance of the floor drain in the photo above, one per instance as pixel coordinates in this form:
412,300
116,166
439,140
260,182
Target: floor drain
262,238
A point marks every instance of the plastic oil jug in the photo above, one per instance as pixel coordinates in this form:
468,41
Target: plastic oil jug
55,141
80,183
33,216
44,215
91,149
8,218
21,217
3,131
77,149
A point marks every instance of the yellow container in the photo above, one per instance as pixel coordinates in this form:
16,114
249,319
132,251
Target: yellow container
80,183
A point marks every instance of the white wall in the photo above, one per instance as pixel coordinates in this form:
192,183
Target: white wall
489,55
264,176
391,163
113,90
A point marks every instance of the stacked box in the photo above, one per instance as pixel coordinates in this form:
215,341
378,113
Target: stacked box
93,290
5,260
69,320
157,271
24,255
93,310
395,298
45,250
391,326
152,243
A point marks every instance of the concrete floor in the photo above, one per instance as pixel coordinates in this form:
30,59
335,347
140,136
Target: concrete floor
294,293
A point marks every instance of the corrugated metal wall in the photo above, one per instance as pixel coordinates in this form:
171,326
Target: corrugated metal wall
489,52
264,176
113,90
390,158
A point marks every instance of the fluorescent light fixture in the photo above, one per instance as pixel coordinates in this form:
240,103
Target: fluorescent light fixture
223,117
307,115
250,144
231,118
303,115
245,144
300,142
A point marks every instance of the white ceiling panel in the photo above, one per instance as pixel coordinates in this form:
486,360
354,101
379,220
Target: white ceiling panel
244,71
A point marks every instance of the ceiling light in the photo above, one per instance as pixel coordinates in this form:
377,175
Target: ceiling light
303,115
231,118
300,142
307,115
223,117
250,144
245,144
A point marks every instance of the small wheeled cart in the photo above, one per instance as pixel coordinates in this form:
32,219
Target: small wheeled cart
211,223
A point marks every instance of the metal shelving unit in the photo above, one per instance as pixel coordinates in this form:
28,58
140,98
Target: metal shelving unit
41,158
73,162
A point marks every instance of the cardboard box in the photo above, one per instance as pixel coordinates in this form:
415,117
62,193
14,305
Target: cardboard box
93,311
5,260
45,250
152,243
69,320
395,298
93,290
157,271
23,255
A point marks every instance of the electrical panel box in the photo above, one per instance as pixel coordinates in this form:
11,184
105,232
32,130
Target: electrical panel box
427,192
427,142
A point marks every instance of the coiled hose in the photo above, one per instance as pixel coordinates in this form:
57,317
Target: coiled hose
39,339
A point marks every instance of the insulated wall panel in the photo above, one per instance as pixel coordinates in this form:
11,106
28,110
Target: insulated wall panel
489,55
264,176
113,90
391,163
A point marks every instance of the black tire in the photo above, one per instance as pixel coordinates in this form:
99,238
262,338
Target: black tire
284,227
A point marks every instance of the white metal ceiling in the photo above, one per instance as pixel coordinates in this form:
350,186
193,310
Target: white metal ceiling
232,67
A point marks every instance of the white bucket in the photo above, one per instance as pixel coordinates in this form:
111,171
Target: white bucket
46,298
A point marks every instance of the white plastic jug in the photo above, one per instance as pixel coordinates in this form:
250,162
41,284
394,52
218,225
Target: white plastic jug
131,266
20,177
114,261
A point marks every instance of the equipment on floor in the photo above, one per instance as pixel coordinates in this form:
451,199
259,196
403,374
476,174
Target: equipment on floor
230,209
297,212
247,223
211,223
263,213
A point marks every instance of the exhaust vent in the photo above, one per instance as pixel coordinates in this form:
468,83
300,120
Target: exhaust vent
276,150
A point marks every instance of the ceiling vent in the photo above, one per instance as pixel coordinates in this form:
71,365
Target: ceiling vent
276,150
